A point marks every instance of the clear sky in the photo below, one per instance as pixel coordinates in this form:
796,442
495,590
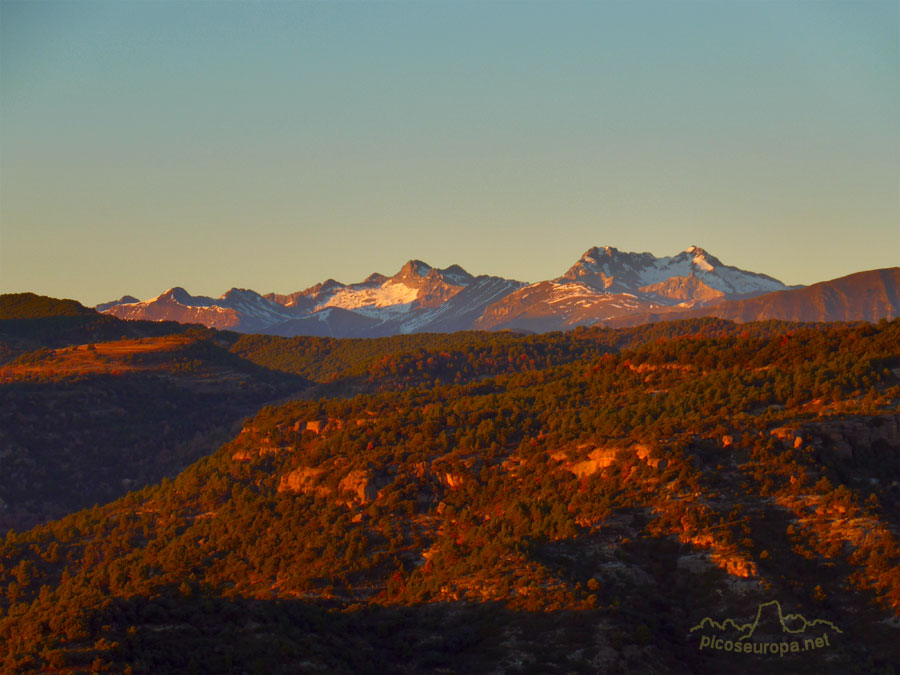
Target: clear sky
272,145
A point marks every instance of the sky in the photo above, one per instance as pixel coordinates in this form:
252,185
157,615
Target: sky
272,145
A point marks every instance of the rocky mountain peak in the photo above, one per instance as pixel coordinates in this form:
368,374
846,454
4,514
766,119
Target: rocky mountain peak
414,268
177,294
124,300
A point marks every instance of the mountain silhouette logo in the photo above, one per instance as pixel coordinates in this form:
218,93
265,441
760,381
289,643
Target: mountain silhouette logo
789,623
775,632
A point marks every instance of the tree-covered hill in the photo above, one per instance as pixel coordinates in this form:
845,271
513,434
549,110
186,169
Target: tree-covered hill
33,306
575,514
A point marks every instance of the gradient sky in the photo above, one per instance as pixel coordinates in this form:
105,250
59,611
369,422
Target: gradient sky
271,145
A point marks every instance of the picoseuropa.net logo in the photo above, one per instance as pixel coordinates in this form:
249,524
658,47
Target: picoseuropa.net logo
771,632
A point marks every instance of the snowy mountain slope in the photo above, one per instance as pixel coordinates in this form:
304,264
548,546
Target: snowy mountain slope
687,290
417,296
606,284
416,285
459,312
603,286
238,309
554,305
616,271
463,309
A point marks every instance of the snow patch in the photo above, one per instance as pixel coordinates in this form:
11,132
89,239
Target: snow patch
390,294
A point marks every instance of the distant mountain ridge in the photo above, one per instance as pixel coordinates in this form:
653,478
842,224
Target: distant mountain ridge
864,296
604,286
418,298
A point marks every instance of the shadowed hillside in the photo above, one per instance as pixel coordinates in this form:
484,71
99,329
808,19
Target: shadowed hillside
865,296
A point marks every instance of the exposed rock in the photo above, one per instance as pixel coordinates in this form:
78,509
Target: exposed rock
453,480
316,426
265,447
321,426
734,564
363,484
859,433
786,434
358,482
847,438
600,458
303,480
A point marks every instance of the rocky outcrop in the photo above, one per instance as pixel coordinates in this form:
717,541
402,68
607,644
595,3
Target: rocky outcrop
357,487
255,445
320,426
599,458
363,485
305,480
604,456
853,438
316,426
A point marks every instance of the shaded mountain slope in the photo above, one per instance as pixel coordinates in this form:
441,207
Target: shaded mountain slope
864,296
85,424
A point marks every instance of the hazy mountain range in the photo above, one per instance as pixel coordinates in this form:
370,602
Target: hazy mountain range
605,286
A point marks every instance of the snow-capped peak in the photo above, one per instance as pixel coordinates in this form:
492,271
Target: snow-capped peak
176,294
596,253
610,270
237,293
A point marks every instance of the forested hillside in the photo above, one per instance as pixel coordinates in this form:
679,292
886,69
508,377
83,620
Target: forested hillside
565,503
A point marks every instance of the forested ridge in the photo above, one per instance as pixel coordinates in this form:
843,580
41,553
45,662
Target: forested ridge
571,502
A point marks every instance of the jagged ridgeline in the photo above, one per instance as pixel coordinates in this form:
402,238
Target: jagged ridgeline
605,286
562,503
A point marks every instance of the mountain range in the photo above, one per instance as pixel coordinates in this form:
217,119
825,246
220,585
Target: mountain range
605,286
